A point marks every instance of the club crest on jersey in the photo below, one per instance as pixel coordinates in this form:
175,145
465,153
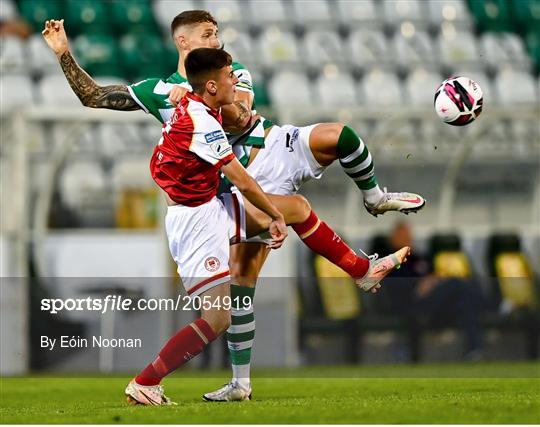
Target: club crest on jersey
212,264
214,136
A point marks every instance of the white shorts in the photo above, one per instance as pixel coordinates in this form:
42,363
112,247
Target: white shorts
199,239
284,164
286,161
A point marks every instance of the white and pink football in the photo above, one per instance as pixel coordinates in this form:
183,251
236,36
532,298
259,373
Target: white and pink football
458,101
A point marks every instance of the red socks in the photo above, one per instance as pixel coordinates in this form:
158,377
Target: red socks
186,344
320,238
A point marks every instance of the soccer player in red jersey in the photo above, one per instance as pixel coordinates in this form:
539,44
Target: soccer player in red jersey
186,165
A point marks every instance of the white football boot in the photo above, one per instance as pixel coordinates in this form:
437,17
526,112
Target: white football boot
153,395
401,202
231,392
380,268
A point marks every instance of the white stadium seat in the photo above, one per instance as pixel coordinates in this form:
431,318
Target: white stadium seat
288,88
381,88
414,49
311,13
226,11
15,92
269,12
504,49
240,45
324,46
420,86
166,10
459,49
358,14
336,89
515,88
492,51
396,12
516,49
279,47
42,57
455,11
369,48
13,57
54,90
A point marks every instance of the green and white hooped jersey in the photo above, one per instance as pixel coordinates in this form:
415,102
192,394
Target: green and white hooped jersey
152,96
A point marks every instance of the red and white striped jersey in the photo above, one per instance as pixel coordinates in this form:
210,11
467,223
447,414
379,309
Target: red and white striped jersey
186,162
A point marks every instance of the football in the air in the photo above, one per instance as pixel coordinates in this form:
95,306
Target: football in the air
458,101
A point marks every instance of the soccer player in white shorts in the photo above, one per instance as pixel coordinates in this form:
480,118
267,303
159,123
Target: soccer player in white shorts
186,165
290,156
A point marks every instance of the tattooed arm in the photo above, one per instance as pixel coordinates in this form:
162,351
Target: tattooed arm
237,116
114,97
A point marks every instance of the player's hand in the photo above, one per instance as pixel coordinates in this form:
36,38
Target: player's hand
55,36
176,94
278,231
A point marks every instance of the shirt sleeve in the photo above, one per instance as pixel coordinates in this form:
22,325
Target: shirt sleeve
245,81
211,145
142,92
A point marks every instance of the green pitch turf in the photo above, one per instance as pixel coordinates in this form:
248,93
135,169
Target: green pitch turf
487,393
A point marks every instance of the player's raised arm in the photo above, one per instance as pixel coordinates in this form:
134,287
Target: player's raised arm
113,97
238,175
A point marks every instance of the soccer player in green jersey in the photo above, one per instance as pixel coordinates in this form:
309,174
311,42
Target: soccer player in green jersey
280,158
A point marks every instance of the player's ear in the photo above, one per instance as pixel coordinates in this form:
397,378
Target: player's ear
181,41
211,87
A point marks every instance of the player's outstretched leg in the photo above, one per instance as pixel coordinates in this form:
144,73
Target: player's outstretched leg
145,389
315,234
335,141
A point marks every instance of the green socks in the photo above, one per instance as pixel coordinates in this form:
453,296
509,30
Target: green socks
356,161
241,333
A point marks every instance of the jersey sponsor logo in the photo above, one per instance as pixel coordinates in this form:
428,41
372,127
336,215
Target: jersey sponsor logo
214,136
221,148
212,264
291,139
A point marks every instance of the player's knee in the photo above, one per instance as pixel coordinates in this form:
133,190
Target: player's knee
335,130
304,208
220,321
236,268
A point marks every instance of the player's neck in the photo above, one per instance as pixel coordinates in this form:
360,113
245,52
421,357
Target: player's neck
209,100
181,67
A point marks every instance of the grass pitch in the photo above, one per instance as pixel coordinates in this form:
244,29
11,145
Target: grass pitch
457,394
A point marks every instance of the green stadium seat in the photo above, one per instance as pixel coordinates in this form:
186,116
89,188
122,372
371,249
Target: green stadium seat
526,14
130,14
170,57
98,54
36,12
87,16
143,55
491,15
